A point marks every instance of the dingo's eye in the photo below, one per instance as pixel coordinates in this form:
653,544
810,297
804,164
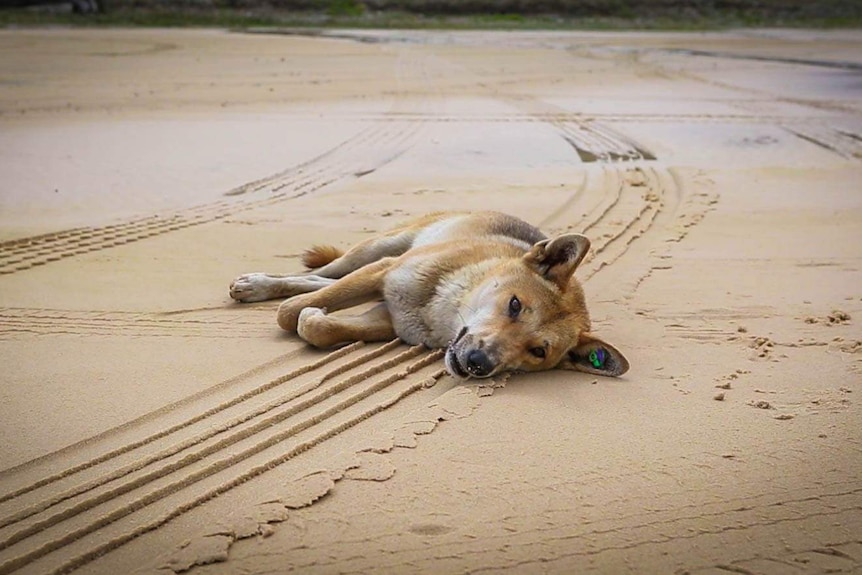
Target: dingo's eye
514,307
538,352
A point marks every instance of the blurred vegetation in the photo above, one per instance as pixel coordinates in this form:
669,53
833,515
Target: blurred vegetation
481,14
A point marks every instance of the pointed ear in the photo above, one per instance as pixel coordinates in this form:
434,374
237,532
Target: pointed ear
558,258
593,355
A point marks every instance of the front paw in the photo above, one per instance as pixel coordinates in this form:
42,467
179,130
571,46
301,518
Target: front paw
253,287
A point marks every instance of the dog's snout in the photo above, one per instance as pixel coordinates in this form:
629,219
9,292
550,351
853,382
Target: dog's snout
478,363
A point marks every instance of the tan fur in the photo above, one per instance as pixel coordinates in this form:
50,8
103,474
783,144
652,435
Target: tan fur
486,286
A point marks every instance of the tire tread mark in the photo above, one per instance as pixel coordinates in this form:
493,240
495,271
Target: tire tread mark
841,142
345,160
47,322
211,432
302,370
225,442
229,461
644,198
153,524
592,140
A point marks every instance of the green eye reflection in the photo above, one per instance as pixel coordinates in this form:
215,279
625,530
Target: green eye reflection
598,357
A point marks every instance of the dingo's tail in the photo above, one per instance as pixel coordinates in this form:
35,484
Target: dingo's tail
319,256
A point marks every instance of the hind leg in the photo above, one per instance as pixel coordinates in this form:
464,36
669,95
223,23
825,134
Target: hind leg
365,284
260,287
371,250
255,287
391,244
321,330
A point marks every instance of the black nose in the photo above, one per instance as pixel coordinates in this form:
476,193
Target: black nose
478,363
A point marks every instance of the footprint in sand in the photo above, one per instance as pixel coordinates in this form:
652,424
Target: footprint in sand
837,317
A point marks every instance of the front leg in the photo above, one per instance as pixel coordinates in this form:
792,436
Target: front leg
254,287
365,284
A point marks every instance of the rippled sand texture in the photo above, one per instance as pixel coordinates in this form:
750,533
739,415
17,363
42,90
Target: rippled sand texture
151,425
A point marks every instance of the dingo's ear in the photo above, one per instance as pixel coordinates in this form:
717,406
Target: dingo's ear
593,355
558,258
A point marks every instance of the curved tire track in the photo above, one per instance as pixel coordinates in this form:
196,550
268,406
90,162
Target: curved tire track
592,140
641,194
624,192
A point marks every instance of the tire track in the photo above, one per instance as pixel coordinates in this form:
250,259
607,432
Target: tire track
624,192
205,455
37,322
263,421
260,389
87,509
564,116
22,254
651,208
840,141
618,206
593,141
623,202
640,195
370,149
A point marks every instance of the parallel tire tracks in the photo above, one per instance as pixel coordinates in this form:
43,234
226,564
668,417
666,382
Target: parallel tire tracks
86,501
175,470
843,142
216,324
84,508
592,140
371,148
624,193
350,157
637,197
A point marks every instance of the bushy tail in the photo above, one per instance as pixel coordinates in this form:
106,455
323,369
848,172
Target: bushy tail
319,256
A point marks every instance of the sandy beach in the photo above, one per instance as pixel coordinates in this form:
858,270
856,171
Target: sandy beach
152,425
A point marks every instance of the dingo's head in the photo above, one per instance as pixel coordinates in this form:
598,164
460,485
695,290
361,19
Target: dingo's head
529,314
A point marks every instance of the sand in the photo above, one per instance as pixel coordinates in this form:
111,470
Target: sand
151,425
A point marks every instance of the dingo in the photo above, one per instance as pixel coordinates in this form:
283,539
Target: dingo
489,288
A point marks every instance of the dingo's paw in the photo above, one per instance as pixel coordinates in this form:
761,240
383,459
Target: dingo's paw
253,287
